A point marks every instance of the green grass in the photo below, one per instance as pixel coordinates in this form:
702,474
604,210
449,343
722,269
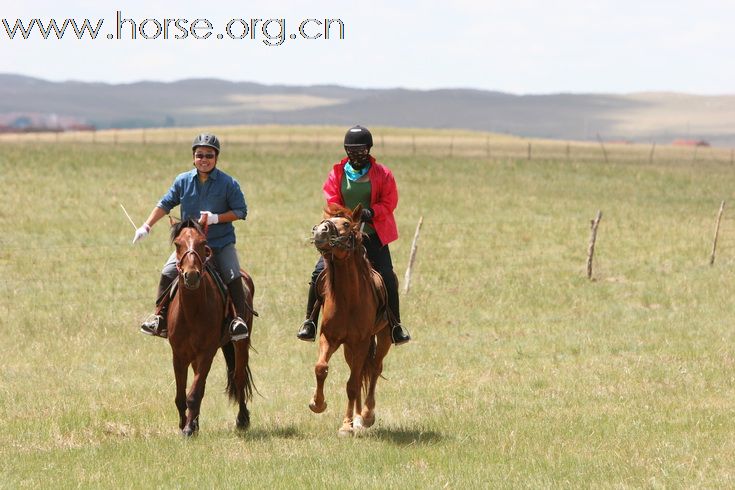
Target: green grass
522,373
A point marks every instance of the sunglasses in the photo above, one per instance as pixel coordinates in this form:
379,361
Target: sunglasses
208,156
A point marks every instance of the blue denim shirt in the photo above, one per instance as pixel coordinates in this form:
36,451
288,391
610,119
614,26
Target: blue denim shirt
219,194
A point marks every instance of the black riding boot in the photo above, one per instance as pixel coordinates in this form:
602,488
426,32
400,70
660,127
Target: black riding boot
307,332
238,327
398,334
156,323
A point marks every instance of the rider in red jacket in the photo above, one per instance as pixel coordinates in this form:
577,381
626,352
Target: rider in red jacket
360,179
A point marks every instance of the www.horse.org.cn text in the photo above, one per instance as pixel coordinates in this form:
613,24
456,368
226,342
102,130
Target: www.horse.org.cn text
271,32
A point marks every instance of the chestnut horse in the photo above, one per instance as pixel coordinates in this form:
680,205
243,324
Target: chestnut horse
196,329
354,309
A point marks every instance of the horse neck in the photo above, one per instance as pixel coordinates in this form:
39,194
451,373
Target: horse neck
192,300
346,277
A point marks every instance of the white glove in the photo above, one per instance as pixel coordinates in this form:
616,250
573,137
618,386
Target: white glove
211,218
141,232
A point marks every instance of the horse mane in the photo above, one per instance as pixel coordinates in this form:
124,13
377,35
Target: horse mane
334,210
187,223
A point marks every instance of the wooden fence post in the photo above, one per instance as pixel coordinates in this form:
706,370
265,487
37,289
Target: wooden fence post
602,145
593,238
717,232
650,155
412,257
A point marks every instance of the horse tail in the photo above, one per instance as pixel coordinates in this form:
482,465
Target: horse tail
249,387
249,384
228,350
369,369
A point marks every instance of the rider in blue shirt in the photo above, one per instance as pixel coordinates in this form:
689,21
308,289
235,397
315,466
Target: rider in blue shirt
204,193
218,194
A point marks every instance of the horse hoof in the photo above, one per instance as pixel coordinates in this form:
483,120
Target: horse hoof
346,431
357,423
243,422
317,409
368,420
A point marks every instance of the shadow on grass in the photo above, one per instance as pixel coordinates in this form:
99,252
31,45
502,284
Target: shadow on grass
260,434
404,436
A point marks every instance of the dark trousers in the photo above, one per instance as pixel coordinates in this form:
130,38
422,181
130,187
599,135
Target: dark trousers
379,256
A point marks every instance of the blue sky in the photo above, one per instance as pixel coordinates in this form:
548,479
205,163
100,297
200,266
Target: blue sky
523,46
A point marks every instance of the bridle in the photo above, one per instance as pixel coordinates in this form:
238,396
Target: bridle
344,242
191,250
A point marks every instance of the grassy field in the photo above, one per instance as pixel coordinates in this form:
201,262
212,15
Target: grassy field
522,373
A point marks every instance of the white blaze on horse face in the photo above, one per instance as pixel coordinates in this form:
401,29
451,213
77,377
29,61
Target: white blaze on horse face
321,234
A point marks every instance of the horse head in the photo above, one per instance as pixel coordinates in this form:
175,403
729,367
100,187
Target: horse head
192,251
338,234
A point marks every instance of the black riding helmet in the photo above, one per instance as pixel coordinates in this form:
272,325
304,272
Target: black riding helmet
358,136
206,139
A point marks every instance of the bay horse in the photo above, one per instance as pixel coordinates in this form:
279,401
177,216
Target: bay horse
196,328
354,314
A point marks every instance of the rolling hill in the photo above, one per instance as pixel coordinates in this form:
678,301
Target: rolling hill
639,117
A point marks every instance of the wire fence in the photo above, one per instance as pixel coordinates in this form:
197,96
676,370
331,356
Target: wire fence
76,275
400,142
102,257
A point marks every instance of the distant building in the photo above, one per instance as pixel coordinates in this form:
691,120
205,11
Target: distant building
23,122
690,143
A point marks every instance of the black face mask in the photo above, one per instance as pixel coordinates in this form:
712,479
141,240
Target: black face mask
359,156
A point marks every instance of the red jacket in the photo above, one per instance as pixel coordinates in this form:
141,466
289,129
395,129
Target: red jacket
383,196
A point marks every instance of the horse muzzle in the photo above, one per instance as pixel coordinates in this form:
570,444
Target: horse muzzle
321,236
192,279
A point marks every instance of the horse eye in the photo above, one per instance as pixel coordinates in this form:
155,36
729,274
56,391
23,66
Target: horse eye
346,225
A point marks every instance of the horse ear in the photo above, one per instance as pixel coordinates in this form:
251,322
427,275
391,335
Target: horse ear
173,220
356,212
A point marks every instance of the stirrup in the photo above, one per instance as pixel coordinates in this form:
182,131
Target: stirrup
238,329
398,335
307,332
153,326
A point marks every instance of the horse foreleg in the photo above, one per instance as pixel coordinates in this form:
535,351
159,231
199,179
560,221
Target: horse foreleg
355,357
321,369
196,393
375,368
180,372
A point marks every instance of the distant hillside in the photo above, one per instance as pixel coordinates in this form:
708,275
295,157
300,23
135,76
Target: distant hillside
643,117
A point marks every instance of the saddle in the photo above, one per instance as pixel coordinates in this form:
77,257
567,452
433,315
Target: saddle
378,289
167,295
